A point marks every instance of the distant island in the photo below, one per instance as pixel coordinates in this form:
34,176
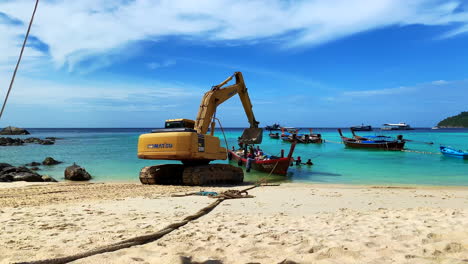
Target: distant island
458,121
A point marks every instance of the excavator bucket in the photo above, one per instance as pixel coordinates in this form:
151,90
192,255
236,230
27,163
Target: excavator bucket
251,136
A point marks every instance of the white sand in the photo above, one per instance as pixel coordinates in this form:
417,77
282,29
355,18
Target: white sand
294,222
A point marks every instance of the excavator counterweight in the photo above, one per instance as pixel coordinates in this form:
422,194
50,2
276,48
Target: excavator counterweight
187,141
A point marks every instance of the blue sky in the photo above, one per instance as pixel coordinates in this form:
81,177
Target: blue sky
101,63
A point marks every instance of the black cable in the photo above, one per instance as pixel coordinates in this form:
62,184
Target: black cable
19,60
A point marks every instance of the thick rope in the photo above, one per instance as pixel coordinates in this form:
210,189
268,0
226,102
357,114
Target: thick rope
326,140
19,60
421,152
140,240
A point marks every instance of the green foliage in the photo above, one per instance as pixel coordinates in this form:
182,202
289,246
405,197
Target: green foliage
460,120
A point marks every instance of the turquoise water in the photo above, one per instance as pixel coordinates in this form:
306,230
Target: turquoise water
110,155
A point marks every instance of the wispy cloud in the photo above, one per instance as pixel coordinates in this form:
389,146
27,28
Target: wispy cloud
388,91
76,30
155,65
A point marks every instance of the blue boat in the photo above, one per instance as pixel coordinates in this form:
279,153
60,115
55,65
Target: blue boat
451,152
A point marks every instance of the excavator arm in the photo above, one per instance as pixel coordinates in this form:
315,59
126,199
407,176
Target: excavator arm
218,95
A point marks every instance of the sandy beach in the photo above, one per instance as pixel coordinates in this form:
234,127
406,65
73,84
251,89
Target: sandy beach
291,223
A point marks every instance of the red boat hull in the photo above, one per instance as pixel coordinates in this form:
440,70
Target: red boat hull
393,145
275,166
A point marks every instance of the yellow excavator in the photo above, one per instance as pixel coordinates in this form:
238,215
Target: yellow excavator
187,141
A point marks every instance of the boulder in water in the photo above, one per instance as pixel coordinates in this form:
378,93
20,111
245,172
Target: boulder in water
76,173
10,130
34,163
50,161
46,142
8,141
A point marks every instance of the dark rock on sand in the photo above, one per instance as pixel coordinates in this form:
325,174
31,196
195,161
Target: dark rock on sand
10,130
7,141
50,161
47,178
76,173
10,173
4,165
27,176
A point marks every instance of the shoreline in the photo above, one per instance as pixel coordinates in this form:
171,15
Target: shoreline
246,183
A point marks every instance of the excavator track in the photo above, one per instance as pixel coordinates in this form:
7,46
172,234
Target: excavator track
167,174
191,175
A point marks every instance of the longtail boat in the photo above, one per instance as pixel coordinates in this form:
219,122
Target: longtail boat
275,126
274,135
451,152
361,128
269,164
373,142
293,135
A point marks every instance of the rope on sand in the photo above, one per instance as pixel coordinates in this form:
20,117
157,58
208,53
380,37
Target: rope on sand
421,152
140,240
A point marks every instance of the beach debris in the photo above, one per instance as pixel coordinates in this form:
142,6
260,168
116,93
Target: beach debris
76,173
50,161
9,173
11,130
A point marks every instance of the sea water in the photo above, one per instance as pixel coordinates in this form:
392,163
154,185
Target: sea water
110,155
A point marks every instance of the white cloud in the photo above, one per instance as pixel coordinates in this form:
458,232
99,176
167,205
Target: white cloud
77,30
100,96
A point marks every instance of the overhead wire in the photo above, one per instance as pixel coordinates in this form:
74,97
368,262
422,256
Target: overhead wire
19,59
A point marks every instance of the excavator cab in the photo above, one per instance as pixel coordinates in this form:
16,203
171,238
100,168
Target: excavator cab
179,123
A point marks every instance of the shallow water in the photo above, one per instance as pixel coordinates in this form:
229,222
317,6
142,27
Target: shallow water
110,155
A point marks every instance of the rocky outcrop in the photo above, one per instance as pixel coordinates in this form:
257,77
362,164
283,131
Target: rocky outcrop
39,141
50,161
7,141
76,173
10,130
10,173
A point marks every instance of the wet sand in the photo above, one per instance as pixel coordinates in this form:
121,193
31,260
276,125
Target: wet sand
299,223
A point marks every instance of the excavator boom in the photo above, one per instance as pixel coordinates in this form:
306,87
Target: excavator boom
218,95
